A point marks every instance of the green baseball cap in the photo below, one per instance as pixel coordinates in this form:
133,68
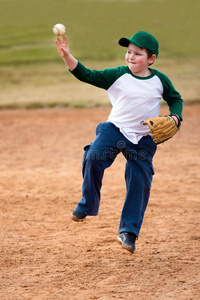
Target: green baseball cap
142,39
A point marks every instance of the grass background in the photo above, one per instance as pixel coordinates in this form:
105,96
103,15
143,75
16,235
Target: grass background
33,74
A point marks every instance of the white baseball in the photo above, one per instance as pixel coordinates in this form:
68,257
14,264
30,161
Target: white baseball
59,29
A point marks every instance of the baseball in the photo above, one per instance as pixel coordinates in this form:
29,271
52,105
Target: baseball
59,29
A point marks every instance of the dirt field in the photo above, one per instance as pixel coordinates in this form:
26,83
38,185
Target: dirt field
45,255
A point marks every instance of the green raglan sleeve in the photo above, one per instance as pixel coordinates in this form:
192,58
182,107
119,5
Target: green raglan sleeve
171,95
102,79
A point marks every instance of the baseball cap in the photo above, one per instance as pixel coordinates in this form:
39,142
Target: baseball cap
142,39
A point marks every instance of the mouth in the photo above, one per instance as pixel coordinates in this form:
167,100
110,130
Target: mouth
132,63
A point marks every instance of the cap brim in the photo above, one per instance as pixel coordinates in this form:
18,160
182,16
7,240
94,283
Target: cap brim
124,42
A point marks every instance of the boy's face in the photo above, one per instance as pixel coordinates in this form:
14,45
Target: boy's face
137,60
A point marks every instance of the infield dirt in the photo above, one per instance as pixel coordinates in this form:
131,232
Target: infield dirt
45,255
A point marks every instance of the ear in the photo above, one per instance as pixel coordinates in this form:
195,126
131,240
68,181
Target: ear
152,59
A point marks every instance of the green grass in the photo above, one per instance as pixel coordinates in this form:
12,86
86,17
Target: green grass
33,75
94,27
51,85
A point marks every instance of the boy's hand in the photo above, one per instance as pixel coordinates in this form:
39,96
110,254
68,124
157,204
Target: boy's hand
62,46
63,50
176,119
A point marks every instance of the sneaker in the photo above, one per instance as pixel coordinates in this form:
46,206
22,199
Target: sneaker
127,240
78,216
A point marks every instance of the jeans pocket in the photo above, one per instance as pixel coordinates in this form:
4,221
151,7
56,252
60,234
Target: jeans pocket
86,149
152,170
98,127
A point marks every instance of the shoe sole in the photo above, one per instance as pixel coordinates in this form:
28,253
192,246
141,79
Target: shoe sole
76,219
131,250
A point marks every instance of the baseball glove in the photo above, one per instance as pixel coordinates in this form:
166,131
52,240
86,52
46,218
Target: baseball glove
162,128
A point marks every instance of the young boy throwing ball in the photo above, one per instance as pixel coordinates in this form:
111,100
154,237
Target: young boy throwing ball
135,92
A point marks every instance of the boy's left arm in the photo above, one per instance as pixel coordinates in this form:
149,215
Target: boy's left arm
163,128
173,99
175,104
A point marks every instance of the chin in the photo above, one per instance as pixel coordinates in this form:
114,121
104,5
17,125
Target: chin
133,70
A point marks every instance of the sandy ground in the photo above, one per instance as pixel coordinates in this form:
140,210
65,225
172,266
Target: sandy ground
45,255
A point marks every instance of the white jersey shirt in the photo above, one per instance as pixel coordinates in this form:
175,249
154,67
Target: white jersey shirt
133,98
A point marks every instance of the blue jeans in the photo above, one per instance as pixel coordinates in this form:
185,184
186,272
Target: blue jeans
99,155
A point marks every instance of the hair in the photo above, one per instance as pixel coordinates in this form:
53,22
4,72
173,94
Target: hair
149,54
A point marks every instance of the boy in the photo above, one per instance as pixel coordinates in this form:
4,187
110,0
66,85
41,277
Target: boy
135,92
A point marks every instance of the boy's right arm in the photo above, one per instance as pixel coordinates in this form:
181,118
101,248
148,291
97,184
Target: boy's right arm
63,50
102,79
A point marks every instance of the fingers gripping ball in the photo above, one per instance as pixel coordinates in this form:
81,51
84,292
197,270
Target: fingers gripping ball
162,128
59,29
